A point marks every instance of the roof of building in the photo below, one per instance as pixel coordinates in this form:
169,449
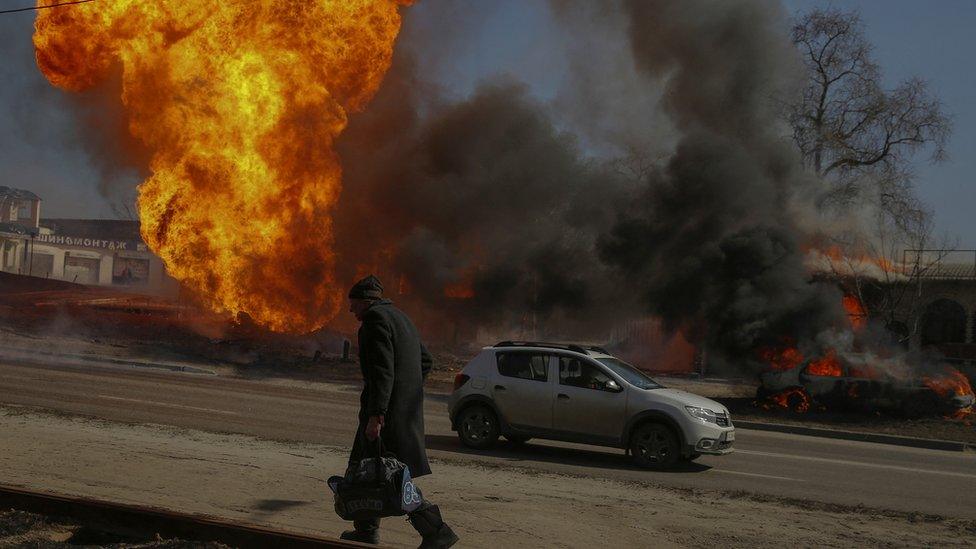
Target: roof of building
15,228
949,271
106,229
17,194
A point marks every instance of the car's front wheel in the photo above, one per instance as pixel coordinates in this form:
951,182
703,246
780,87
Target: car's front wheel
655,446
478,427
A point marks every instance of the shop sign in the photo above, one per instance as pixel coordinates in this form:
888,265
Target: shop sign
90,242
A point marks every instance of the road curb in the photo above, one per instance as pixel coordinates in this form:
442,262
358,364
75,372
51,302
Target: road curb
912,442
172,367
148,520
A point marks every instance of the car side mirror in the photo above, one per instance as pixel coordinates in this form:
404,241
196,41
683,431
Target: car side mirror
613,386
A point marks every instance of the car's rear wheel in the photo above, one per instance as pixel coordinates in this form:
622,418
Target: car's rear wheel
478,427
517,439
655,446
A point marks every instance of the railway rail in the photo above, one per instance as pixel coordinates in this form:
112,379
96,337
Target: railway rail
141,520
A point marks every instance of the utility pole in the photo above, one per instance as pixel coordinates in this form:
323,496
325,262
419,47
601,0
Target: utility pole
30,262
26,251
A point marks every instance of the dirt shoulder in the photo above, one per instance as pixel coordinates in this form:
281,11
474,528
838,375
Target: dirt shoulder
283,485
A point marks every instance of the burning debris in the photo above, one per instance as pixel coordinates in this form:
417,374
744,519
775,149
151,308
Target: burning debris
951,385
861,381
866,383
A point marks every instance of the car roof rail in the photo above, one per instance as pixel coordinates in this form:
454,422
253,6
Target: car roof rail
565,346
598,349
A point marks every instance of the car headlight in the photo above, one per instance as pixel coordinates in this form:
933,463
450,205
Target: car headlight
703,414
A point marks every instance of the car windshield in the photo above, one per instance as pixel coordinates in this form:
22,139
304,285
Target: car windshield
630,374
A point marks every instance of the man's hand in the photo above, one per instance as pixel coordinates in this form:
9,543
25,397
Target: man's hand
373,427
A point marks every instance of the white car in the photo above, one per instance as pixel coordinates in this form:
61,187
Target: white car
574,393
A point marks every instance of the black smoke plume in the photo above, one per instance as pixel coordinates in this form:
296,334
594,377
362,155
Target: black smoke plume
712,242
486,194
489,191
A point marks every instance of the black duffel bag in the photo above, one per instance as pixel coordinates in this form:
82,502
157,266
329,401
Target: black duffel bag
375,487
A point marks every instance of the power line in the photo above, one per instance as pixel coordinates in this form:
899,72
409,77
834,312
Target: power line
32,8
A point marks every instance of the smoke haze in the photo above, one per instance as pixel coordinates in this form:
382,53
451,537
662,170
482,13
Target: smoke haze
496,193
653,177
712,243
73,151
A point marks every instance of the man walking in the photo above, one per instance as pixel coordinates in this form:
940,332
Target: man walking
394,364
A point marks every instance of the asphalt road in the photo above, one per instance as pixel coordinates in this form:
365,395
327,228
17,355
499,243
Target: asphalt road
773,464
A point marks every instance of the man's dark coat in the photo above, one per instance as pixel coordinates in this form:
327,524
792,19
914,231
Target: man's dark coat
394,364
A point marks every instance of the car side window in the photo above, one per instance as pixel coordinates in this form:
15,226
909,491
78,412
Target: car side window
532,366
576,372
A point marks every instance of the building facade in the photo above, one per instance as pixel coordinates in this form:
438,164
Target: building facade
102,252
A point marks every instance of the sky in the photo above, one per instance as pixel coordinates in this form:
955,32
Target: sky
40,144
935,41
42,149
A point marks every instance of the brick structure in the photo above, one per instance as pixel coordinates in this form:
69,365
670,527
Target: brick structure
945,309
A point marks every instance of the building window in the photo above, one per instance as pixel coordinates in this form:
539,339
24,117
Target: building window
130,271
944,321
24,210
8,255
81,269
41,265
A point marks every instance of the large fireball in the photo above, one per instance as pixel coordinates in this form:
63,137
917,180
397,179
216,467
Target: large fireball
239,103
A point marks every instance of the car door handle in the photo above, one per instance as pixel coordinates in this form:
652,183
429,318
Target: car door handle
562,396
499,387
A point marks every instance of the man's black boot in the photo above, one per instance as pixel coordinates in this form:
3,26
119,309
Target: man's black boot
428,523
365,532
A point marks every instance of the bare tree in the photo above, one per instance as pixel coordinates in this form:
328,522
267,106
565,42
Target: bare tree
846,125
861,139
124,211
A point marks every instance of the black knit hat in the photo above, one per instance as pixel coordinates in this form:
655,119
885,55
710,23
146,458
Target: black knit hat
367,288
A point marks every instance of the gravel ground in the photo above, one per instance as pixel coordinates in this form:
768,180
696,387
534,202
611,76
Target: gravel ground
33,531
502,505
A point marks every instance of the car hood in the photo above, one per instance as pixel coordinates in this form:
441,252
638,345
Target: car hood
684,398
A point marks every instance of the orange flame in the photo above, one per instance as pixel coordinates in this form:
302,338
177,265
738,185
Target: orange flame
793,398
855,312
240,103
783,358
826,366
951,382
459,290
865,371
963,414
